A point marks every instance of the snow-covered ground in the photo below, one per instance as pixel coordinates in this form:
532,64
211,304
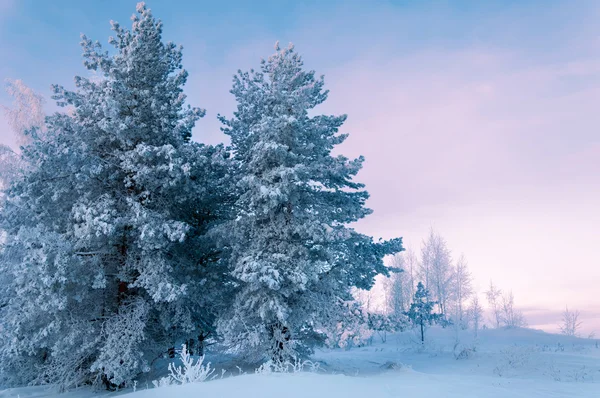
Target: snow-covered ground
500,363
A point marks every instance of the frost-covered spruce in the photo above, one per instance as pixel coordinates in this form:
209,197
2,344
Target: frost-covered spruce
291,252
107,254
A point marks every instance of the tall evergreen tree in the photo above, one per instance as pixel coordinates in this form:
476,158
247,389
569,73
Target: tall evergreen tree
292,255
108,256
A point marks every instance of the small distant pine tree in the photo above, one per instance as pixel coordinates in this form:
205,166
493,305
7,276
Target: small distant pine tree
421,310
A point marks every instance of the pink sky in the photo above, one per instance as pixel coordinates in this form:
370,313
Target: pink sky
493,154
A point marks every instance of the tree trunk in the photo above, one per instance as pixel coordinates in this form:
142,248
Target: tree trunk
281,336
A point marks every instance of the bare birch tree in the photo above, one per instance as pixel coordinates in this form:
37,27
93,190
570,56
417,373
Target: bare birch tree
436,269
511,316
462,290
494,296
570,322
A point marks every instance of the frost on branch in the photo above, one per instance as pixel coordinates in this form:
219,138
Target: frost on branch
188,372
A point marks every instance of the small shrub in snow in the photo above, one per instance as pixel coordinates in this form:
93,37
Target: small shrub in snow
463,352
554,372
579,348
190,372
582,374
383,324
513,358
293,366
391,365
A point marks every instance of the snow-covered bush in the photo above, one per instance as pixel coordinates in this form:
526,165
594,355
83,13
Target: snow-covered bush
190,371
462,351
294,365
383,324
512,359
391,365
348,336
580,374
351,329
554,372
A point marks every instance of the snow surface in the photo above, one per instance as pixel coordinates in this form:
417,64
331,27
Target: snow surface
506,363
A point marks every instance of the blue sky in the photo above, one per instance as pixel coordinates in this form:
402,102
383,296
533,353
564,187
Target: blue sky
38,35
476,117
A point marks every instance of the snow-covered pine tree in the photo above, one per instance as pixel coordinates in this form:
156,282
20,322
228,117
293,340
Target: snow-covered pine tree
292,254
421,310
107,253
